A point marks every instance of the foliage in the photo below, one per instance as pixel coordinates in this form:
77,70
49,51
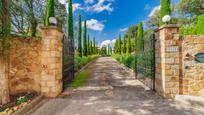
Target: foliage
128,46
145,63
79,36
127,60
22,100
199,28
50,11
70,21
124,46
140,38
81,61
165,10
132,30
103,51
192,7
85,47
5,24
88,45
80,79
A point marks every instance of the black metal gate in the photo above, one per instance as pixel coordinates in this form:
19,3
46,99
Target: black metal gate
68,61
145,64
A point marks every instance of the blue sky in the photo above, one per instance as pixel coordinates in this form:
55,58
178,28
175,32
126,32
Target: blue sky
109,18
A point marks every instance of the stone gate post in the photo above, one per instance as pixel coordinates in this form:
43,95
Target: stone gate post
167,61
51,62
4,88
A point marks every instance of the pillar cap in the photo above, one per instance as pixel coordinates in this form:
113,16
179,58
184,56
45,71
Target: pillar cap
50,27
168,26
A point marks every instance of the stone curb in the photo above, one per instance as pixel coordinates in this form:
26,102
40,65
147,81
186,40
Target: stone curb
24,110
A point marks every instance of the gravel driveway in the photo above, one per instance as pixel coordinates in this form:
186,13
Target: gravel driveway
112,90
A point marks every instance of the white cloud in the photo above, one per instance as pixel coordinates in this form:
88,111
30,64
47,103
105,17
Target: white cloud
154,10
62,1
101,6
107,43
76,6
123,29
88,1
95,25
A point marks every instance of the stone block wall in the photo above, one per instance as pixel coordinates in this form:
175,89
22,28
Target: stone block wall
32,65
51,62
192,81
4,90
177,72
24,65
167,61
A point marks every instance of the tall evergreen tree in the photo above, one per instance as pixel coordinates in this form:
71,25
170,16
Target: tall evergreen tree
140,38
128,45
165,9
50,11
124,45
85,40
94,45
70,21
91,47
88,45
119,45
79,37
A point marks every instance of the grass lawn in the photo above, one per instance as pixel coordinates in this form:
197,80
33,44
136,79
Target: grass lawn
80,79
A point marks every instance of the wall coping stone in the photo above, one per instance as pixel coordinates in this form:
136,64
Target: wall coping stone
167,26
51,27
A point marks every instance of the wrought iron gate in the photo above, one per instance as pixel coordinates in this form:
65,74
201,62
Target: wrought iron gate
145,64
68,60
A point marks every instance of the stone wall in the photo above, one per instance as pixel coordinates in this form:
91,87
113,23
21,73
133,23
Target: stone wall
24,65
192,81
51,61
167,61
4,90
32,65
177,72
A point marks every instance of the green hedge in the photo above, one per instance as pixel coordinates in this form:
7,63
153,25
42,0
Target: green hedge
81,61
126,59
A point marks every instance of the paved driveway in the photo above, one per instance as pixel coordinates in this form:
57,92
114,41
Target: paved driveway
112,90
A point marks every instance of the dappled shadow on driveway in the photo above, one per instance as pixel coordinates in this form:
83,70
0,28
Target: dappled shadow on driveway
112,90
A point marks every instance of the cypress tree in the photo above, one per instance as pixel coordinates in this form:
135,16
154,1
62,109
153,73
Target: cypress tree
91,47
88,46
165,9
124,45
140,38
128,45
94,45
79,37
70,21
85,40
50,11
119,45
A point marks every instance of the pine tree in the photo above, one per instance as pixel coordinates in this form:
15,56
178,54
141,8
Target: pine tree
85,40
50,11
70,21
79,37
124,46
165,9
128,45
140,38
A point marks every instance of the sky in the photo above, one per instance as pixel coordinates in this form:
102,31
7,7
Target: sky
106,19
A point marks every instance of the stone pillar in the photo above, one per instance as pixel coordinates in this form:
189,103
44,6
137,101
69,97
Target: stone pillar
4,90
51,61
167,61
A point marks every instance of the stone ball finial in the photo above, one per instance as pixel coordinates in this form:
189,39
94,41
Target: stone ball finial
166,18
